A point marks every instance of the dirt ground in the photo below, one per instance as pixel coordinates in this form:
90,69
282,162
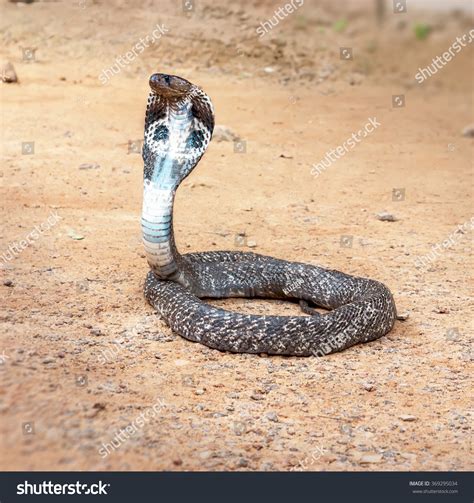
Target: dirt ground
83,356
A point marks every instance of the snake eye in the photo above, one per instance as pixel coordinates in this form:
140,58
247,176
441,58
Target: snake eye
161,133
195,140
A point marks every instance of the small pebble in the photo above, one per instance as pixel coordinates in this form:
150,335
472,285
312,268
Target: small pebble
384,216
8,282
368,386
89,166
371,458
407,417
223,133
8,73
468,131
272,416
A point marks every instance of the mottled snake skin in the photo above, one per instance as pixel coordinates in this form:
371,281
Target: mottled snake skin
178,127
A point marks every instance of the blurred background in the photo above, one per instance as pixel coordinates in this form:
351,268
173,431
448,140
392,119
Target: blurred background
387,36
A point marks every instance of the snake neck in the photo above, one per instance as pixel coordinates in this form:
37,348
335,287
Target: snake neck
157,229
164,172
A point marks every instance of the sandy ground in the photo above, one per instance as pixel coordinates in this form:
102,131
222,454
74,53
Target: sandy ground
84,356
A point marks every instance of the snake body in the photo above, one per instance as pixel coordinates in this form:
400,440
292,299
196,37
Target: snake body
179,122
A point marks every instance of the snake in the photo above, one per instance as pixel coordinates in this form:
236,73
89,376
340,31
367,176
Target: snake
338,310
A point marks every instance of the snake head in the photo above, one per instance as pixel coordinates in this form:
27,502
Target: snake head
169,92
170,87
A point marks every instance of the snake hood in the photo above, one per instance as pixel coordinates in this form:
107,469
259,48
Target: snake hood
179,122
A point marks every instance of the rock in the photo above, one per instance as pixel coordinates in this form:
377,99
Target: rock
48,359
272,416
9,75
223,133
371,458
368,386
181,363
96,331
96,408
403,316
384,216
355,79
74,235
468,131
326,71
8,282
408,417
199,392
177,462
89,166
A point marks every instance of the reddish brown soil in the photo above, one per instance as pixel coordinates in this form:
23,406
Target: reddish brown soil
400,403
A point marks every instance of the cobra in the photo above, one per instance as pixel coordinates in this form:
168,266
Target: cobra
179,123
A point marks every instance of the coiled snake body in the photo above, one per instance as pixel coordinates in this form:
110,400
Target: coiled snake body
178,127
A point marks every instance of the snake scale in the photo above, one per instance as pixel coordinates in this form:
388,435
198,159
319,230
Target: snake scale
179,122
